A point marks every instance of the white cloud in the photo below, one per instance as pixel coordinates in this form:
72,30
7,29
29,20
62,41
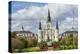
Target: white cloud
27,27
68,23
40,13
32,12
15,25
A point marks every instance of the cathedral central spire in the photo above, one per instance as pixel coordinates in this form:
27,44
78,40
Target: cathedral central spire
49,18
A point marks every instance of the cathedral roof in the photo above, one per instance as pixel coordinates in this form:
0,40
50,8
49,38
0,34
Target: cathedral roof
23,32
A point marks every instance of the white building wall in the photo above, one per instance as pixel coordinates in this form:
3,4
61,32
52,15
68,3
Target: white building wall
39,35
56,35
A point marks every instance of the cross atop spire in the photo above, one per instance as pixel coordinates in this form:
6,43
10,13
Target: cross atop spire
49,18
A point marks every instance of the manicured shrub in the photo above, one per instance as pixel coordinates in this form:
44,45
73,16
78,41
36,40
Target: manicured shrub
43,46
55,45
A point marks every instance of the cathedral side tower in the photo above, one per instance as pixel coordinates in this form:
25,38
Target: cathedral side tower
39,32
56,31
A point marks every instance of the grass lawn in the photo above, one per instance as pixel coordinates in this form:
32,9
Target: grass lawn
31,49
36,49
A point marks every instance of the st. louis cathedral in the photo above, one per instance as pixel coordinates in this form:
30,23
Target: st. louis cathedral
48,34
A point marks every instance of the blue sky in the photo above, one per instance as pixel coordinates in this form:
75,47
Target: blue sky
20,5
28,15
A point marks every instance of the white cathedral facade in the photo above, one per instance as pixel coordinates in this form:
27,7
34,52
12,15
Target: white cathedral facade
48,34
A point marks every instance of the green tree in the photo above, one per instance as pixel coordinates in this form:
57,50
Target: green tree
13,34
17,44
25,42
